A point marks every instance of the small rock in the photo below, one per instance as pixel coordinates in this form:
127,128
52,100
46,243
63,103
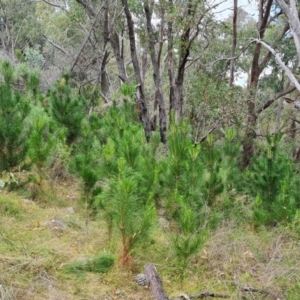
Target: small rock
69,210
27,201
163,223
56,224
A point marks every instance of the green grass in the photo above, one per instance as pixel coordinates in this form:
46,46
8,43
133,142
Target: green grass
78,262
102,263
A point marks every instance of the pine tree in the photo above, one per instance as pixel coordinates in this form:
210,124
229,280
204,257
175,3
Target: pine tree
40,144
67,108
122,207
13,112
274,184
213,183
189,238
85,164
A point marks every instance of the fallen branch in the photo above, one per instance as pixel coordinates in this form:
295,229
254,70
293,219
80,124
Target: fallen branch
152,279
200,296
264,292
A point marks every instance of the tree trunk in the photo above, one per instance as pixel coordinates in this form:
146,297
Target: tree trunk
156,77
141,102
293,17
256,69
234,41
119,55
187,36
155,283
171,66
102,76
278,117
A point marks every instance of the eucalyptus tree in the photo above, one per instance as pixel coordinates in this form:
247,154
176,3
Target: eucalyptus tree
178,26
156,62
186,21
81,37
19,27
259,62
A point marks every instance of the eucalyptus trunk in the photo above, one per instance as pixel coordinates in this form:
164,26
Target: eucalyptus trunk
141,102
256,69
156,77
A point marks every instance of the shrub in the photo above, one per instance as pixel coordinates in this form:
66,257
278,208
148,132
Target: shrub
13,132
102,263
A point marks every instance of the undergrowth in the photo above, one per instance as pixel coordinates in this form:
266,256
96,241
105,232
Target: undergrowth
40,261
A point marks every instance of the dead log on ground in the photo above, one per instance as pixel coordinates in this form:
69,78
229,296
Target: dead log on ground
152,279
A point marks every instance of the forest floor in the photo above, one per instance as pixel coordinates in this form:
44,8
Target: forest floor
39,239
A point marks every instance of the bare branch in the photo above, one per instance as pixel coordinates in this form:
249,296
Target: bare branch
277,96
235,57
268,56
85,42
234,42
88,8
287,71
294,102
56,5
57,46
193,61
213,127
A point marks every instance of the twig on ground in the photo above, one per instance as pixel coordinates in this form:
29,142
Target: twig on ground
254,290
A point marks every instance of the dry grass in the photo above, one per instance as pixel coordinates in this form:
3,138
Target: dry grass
34,253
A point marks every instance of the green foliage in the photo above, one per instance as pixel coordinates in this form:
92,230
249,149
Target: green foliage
294,292
294,225
24,27
19,55
40,145
102,263
230,153
9,207
128,173
268,170
182,170
188,239
273,182
67,108
40,142
124,208
8,179
287,200
122,136
213,183
13,111
8,72
85,162
127,91
34,58
31,79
